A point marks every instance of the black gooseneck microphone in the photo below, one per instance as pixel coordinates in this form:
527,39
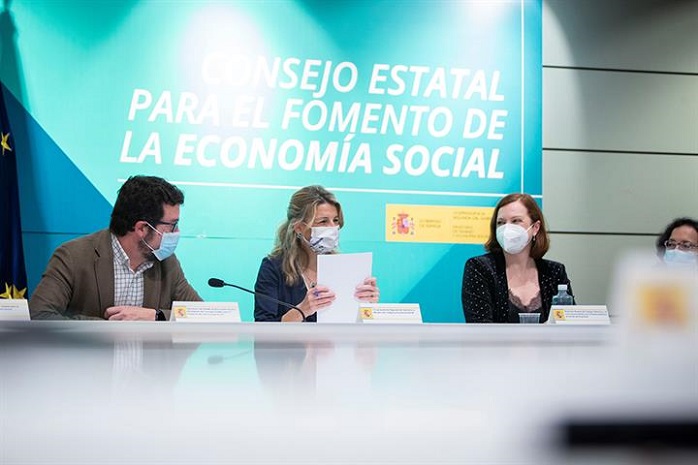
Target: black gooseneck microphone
215,282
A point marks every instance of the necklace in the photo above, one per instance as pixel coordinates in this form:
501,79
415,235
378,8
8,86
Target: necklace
309,283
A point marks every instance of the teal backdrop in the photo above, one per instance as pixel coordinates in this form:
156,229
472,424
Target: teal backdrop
240,103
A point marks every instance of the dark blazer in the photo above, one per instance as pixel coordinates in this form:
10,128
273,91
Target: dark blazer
270,281
79,282
485,291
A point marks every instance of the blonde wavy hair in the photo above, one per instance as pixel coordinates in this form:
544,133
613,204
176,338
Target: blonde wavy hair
301,209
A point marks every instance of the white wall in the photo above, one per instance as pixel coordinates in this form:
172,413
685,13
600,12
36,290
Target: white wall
620,129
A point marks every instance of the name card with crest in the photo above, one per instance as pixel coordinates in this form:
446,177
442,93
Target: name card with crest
657,307
389,313
579,315
14,310
205,312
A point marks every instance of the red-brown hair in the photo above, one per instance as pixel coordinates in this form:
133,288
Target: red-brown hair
541,242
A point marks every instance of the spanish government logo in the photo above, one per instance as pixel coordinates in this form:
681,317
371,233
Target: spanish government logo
403,223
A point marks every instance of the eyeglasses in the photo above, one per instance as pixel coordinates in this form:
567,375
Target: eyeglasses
173,224
685,246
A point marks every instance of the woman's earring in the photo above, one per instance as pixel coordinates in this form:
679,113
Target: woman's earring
534,239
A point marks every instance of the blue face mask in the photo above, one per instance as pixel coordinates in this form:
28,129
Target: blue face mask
680,258
168,244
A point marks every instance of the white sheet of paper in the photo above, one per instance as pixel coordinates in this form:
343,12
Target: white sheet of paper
342,273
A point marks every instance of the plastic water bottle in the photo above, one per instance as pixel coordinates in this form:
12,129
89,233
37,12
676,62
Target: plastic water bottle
562,297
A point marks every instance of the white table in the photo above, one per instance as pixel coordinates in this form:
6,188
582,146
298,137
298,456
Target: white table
108,392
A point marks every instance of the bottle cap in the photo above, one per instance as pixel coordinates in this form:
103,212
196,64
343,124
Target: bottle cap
562,287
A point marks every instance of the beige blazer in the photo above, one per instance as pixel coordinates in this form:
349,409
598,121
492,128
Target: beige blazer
79,282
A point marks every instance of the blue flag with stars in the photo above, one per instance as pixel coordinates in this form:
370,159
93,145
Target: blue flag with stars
13,275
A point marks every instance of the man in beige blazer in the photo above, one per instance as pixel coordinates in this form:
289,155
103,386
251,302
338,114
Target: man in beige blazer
126,272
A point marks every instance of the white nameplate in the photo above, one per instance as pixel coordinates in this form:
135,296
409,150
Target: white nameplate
389,313
14,310
205,312
579,315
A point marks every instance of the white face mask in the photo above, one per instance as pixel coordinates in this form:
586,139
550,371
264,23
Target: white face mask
676,258
323,240
512,237
168,244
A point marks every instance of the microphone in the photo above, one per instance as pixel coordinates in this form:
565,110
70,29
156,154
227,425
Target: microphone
215,282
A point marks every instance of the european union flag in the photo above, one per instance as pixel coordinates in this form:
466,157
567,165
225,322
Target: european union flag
13,275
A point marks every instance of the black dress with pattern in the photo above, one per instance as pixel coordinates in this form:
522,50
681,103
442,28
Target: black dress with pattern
485,291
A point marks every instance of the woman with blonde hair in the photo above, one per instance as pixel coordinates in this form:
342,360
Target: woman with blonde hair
512,277
289,273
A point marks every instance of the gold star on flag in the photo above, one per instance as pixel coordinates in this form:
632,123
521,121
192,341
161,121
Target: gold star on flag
5,144
11,292
6,294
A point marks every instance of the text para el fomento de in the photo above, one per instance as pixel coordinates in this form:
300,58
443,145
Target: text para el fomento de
316,115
